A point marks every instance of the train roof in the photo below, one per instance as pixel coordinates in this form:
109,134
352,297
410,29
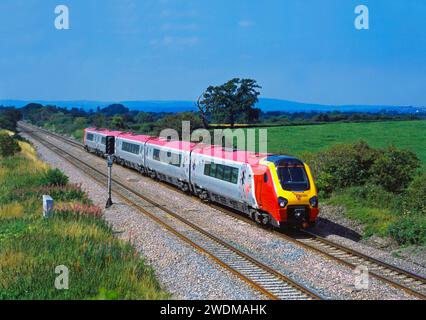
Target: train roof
219,152
211,150
280,160
134,137
173,144
214,151
104,132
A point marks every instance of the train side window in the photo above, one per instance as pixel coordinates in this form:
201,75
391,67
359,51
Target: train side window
103,140
156,155
90,137
207,169
219,171
130,147
234,177
265,177
227,173
136,149
176,159
213,170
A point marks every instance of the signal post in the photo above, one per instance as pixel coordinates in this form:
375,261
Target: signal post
110,151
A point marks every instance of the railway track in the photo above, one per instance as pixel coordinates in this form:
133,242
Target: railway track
397,277
407,281
402,279
261,277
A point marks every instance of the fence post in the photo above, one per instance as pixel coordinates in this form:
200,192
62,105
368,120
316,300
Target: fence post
47,206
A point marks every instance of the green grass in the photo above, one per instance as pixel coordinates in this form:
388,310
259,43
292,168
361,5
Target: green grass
382,216
100,266
383,213
375,220
296,140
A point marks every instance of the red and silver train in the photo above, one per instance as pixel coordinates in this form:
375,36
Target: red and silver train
270,189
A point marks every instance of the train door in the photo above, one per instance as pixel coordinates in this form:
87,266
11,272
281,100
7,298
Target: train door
259,180
141,155
186,164
244,183
97,142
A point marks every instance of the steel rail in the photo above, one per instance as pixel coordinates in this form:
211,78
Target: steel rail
401,279
261,277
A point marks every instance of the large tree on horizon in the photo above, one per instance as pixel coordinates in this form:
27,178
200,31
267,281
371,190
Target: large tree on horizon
232,101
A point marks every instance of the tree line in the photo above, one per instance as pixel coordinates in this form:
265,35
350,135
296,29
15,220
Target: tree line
230,104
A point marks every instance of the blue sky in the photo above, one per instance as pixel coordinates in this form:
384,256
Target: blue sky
307,51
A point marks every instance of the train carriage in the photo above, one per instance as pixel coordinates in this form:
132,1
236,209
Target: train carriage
287,191
271,189
130,150
169,161
223,176
95,140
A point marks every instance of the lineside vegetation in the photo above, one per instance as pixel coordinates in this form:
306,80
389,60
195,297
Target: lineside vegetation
100,266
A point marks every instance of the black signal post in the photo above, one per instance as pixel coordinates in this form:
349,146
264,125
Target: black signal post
110,151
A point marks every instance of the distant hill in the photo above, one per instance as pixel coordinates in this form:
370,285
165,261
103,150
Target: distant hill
292,106
148,106
179,106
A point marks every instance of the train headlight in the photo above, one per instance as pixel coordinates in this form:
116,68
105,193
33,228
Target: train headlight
314,202
282,202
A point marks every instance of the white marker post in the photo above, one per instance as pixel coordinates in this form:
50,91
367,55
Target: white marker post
47,206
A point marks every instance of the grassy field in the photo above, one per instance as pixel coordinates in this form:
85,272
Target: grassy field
100,266
296,140
386,215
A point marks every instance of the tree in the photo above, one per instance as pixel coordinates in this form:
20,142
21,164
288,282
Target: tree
80,122
232,101
8,145
118,122
114,109
175,122
144,117
9,117
99,120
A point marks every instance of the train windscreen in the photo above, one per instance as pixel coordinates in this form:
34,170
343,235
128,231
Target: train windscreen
293,178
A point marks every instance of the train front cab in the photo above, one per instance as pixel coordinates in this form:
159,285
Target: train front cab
288,192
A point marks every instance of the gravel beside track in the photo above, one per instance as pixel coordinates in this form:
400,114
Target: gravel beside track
189,275
181,270
380,248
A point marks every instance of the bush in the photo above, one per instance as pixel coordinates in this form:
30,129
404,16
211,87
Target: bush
78,134
70,192
376,196
409,230
54,177
342,166
348,165
78,210
394,169
415,195
8,145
